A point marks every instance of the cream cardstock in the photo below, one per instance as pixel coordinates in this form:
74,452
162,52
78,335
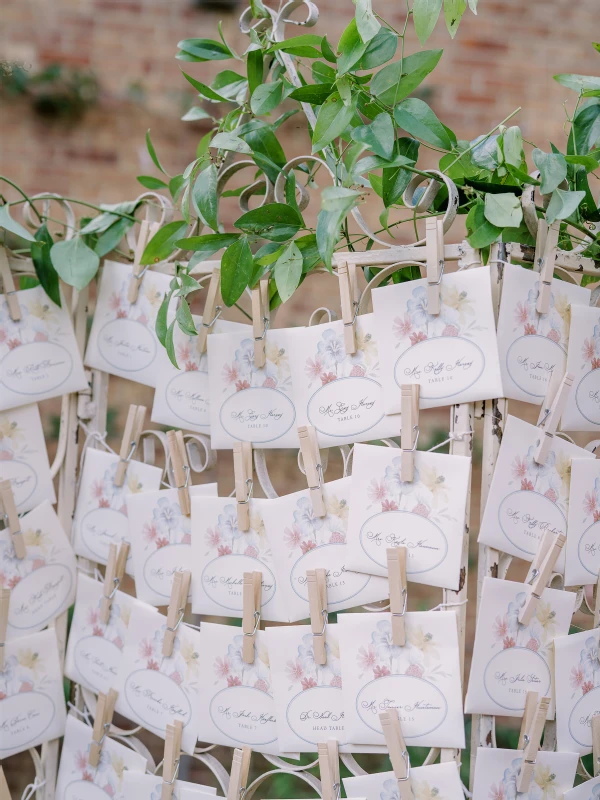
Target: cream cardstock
496,773
582,557
526,499
32,702
181,397
582,412
39,357
78,780
590,790
340,393
101,511
24,459
301,541
421,679
510,659
577,673
453,355
43,583
155,689
161,540
149,787
250,404
533,345
433,782
427,515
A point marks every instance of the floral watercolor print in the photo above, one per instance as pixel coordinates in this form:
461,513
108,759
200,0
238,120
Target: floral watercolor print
590,790
24,459
155,689
497,771
577,672
182,397
453,355
509,658
39,357
533,345
161,540
78,780
221,552
582,412
250,404
422,679
582,550
32,702
42,584
123,341
425,515
101,511
149,787
309,541
340,393
433,782
527,499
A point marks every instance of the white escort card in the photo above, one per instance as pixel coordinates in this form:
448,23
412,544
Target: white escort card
497,771
533,345
340,393
433,782
250,404
425,515
510,659
301,541
182,398
78,780
453,355
577,673
582,556
24,459
582,412
123,340
526,499
100,517
161,540
39,357
149,787
42,584
590,790
422,679
32,702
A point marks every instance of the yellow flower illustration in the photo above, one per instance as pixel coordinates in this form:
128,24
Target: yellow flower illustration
423,642
41,311
435,483
118,766
125,615
36,538
30,660
190,656
459,301
10,430
367,345
133,482
262,653
152,295
546,617
338,508
546,780
424,791
277,356
333,645
563,468
257,524
561,304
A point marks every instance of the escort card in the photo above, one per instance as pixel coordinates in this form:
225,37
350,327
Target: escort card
526,499
582,412
577,672
149,787
42,584
422,679
302,541
425,515
123,340
78,780
39,357
161,540
510,659
32,703
497,770
453,355
533,345
582,556
433,782
24,459
340,393
590,790
100,517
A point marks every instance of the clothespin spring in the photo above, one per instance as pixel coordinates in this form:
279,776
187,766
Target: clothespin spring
356,306
406,757
325,615
138,276
441,264
256,624
218,312
175,773
105,730
249,489
175,628
404,604
417,430
266,324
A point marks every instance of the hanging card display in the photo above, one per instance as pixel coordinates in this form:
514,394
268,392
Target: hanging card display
149,787
497,770
582,550
582,412
590,790
433,782
577,673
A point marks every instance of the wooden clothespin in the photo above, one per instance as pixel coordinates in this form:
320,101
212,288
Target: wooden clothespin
134,425
242,470
251,603
213,307
240,767
113,576
596,743
176,609
409,421
532,744
102,722
4,604
551,418
540,572
4,793
398,752
349,302
173,734
531,701
8,283
181,469
260,321
396,563
329,767
316,582
546,245
147,231
311,457
434,245
11,518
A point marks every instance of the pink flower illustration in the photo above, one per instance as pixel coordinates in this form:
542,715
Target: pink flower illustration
551,495
153,665
308,683
306,546
40,337
121,313
224,550
270,383
97,631
530,330
97,489
415,670
114,301
497,793
533,644
402,327
587,686
292,537
229,374
367,657
233,680
118,642
500,627
14,581
376,491
93,616
109,790
183,352
521,314
81,760
588,349
190,366
104,503
146,648
87,776
519,468
261,685
187,538
508,642
13,344
26,686
357,371
222,667
421,510
240,385
294,670
596,516
314,368
177,677
553,335
526,486
415,338
162,542
337,537
336,681
389,505
450,330
589,503
328,377
251,551
380,672
213,537
595,363
150,532
576,678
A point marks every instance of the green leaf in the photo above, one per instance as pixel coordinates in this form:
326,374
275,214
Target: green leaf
381,49
366,21
322,73
276,222
208,244
290,191
205,49
310,252
327,51
396,81
111,237
552,167
150,182
481,232
315,94
162,244
42,262
396,179
175,185
152,153
453,11
75,262
562,204
170,344
160,325
266,150
304,46
288,271
426,13
332,120
9,224
194,114
350,47
229,141
254,69
204,195
266,97
416,118
184,318
512,144
336,203
586,128
378,136
503,210
579,83
590,162
204,90
236,270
